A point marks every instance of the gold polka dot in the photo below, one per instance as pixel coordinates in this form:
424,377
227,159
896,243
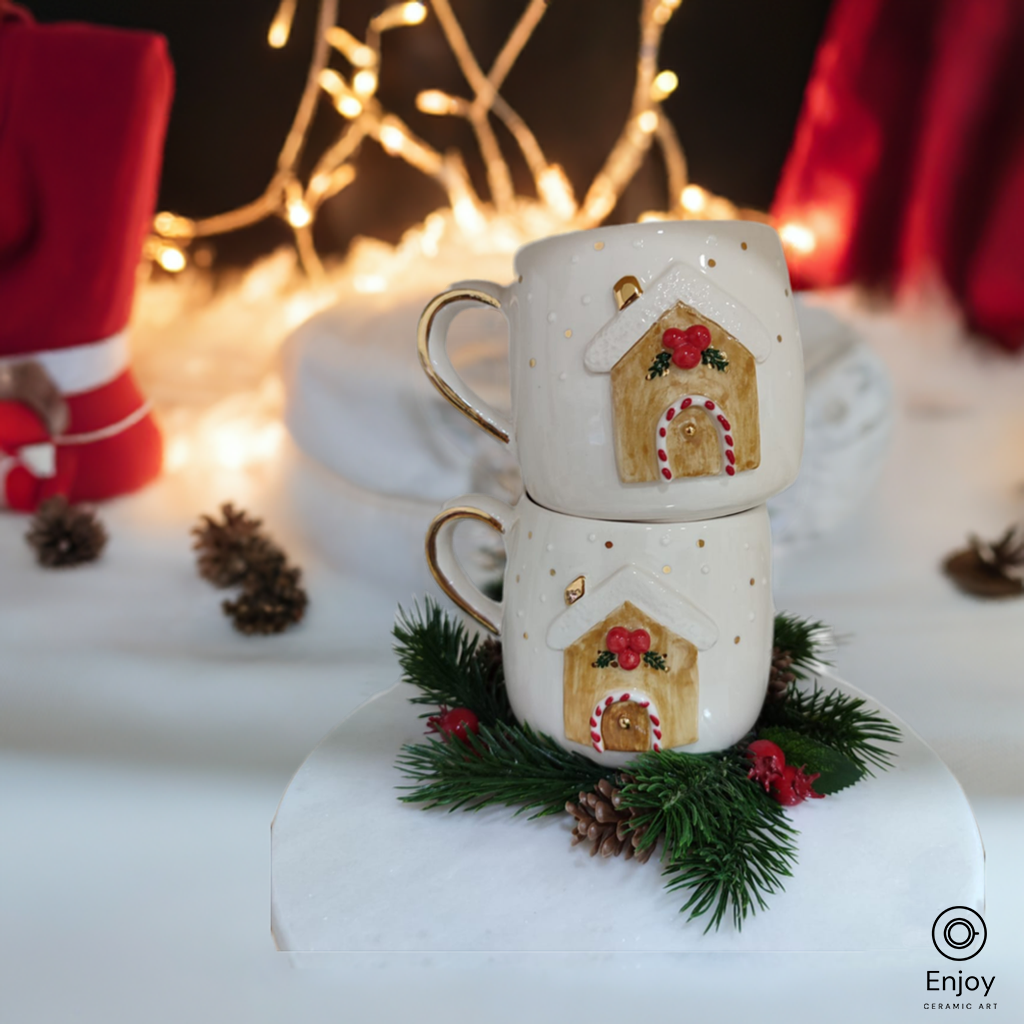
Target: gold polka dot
608,544
666,569
552,571
778,337
599,246
711,263
521,276
526,636
568,333
533,362
743,245
529,536
700,543
736,640
751,580
787,293
517,577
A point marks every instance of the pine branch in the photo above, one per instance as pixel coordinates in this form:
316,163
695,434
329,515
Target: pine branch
438,656
503,764
655,660
807,640
722,838
837,720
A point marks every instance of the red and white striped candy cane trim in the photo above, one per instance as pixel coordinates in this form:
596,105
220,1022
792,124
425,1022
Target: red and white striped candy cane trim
717,417
615,697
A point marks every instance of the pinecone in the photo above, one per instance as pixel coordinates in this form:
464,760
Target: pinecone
64,535
780,676
230,551
600,821
989,569
271,602
491,662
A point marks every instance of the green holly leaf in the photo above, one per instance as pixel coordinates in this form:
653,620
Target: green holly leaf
662,361
713,357
605,659
837,770
655,660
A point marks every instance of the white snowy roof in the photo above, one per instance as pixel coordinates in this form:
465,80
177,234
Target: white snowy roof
649,594
680,283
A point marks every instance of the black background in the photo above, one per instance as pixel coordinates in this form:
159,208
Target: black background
742,66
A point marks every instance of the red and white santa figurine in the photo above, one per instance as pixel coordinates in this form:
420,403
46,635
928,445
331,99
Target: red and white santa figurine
83,113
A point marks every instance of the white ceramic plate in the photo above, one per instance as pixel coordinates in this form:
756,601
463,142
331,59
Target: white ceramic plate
355,869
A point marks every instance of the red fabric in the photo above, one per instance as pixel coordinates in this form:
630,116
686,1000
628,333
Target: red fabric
83,113
908,159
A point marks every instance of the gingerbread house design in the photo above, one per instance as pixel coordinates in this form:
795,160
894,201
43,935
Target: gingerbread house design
676,422
654,704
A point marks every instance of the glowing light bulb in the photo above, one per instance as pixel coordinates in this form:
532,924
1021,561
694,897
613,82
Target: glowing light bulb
392,139
171,258
364,82
693,198
647,121
356,53
298,213
414,13
555,190
433,101
331,82
369,284
348,106
281,26
664,84
798,237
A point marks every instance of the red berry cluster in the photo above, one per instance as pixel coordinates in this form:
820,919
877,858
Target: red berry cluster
686,346
454,722
628,647
787,784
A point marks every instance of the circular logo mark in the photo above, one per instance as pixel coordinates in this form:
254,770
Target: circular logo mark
959,933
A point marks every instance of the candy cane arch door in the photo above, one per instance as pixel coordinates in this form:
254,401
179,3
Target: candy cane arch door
670,455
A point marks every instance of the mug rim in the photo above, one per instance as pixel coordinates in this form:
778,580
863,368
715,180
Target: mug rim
531,501
659,227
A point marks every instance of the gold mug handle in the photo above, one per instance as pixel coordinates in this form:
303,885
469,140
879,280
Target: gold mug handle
431,339
444,566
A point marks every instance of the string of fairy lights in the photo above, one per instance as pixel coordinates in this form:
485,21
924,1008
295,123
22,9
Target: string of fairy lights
352,92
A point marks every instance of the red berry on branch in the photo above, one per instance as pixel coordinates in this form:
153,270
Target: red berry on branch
640,641
782,788
629,660
617,639
673,337
699,335
803,784
768,763
457,722
687,356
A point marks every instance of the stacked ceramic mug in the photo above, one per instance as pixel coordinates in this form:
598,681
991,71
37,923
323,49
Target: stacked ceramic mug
657,404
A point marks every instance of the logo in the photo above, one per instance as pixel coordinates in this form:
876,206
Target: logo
959,933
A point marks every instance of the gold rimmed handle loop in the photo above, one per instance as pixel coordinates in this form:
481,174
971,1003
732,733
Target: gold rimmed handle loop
444,566
431,339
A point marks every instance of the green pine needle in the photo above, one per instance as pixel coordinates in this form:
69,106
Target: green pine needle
504,764
662,361
806,640
837,720
443,662
722,838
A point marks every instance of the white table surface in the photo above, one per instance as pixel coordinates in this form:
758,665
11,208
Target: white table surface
138,790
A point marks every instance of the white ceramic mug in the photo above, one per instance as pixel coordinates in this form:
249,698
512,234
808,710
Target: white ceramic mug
609,420
691,601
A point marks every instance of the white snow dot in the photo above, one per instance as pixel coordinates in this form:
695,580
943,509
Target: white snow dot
707,714
666,540
638,243
746,545
544,597
751,616
552,317
586,300
563,376
575,259
550,547
705,568
520,613
764,580
591,537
